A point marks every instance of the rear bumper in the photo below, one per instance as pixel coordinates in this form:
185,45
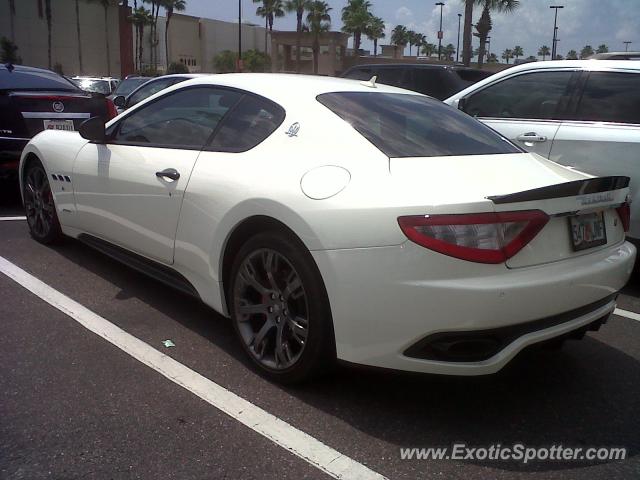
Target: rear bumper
10,151
386,300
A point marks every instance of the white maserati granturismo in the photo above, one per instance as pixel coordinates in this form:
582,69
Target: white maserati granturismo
333,218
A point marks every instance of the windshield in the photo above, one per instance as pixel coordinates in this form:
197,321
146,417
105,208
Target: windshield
415,126
97,86
128,85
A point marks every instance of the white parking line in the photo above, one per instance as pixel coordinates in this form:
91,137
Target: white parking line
278,431
627,314
12,218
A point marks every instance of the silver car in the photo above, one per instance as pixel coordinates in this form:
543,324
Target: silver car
584,114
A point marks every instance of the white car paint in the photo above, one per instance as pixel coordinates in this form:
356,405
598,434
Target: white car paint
597,148
385,292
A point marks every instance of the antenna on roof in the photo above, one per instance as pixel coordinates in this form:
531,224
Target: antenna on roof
371,83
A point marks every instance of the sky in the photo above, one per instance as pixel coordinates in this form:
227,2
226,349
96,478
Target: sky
580,22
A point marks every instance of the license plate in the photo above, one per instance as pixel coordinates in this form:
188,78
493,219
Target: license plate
587,230
58,125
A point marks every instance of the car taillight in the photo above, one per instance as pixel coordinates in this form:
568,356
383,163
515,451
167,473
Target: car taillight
477,237
111,109
624,212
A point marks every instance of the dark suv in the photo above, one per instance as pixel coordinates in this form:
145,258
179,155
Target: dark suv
437,81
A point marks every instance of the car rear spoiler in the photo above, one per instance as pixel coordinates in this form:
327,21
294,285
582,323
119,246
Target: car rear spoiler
568,189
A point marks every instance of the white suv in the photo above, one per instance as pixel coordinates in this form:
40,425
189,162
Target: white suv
584,114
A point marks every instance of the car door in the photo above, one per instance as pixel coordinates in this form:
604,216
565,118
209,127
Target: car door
129,191
602,134
526,108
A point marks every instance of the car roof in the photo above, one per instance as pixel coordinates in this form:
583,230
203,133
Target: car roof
24,68
285,88
412,65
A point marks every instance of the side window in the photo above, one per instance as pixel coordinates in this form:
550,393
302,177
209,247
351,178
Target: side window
611,97
183,119
148,90
250,122
539,95
432,82
392,76
361,74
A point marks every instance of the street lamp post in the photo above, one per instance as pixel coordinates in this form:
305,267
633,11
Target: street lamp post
555,30
458,46
239,66
626,46
441,4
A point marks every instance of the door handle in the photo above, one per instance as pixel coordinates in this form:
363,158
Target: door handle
531,137
170,173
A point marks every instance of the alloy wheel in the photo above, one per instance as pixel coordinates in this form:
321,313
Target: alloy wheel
271,308
38,202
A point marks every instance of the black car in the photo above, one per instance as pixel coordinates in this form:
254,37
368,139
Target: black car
34,99
150,87
437,81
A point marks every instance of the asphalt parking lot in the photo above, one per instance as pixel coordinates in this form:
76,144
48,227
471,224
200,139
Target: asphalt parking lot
73,405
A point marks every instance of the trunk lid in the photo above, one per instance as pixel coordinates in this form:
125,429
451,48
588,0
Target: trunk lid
513,182
31,112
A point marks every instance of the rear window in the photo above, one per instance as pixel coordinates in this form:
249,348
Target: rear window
34,80
415,126
128,85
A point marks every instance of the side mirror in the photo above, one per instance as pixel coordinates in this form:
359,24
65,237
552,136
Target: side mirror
120,101
461,103
93,130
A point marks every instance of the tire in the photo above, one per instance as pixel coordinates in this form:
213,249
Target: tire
280,310
39,205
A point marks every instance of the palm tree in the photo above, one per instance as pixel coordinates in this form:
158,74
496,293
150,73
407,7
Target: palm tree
318,21
356,17
140,18
374,32
587,51
543,52
298,6
507,54
449,51
153,35
466,35
12,17
518,52
170,6
602,49
419,40
484,25
572,55
429,49
269,10
399,37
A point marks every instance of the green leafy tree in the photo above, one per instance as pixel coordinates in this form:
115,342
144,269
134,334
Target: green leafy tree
484,25
586,52
492,58
429,49
400,37
559,57
170,6
375,31
572,55
269,10
602,49
225,61
356,17
9,52
449,51
299,7
177,67
256,61
507,55
543,51
140,18
318,21
518,52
